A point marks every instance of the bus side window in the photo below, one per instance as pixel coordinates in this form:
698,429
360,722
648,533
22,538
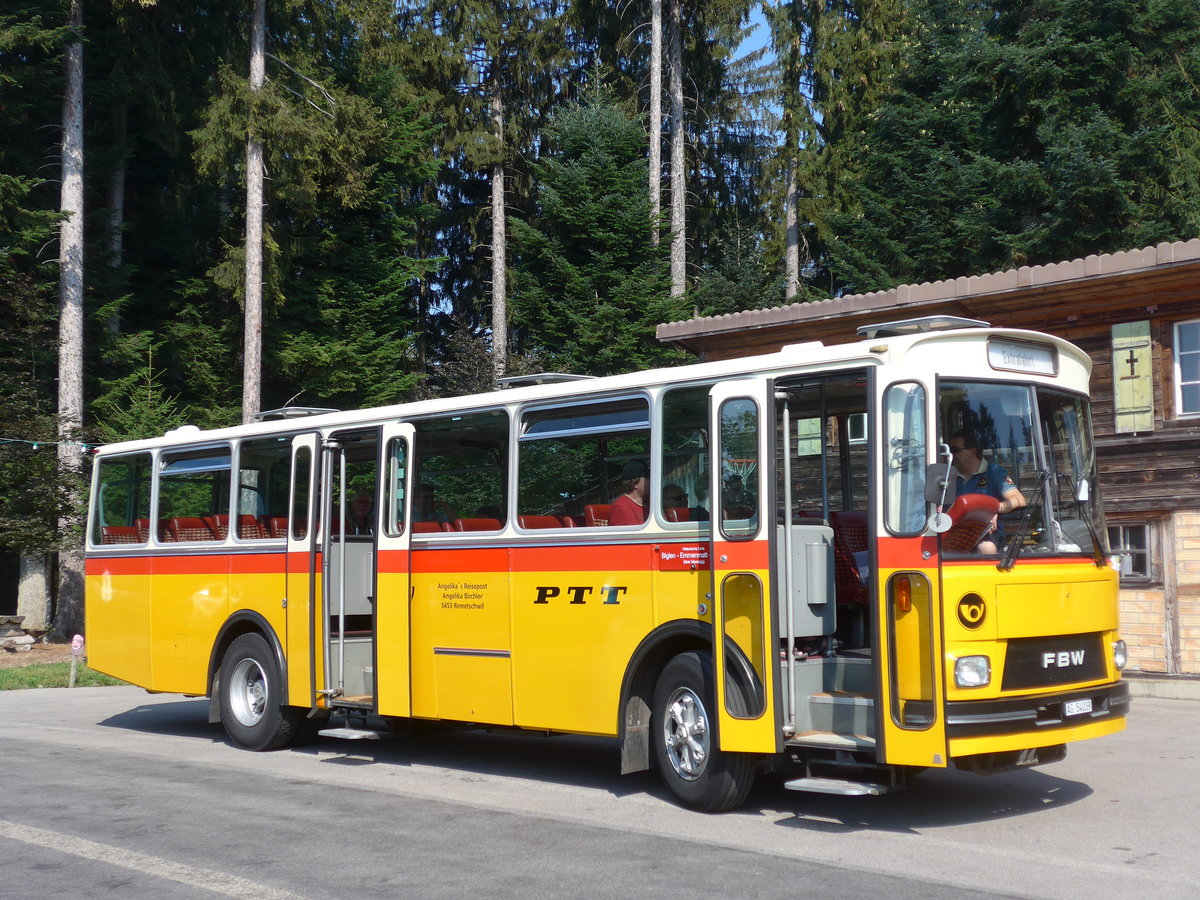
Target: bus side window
462,464
263,474
193,494
571,457
683,494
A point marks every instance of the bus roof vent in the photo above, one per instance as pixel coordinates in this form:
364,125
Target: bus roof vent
292,412
514,381
918,326
801,347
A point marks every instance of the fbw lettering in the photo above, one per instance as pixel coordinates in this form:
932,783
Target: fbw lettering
581,593
1063,659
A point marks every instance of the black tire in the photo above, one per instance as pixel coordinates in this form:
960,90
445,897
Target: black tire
251,697
685,739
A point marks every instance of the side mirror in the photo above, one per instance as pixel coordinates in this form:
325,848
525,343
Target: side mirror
940,481
1082,490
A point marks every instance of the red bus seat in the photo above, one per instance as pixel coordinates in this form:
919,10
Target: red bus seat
143,530
540,522
120,534
428,527
218,524
679,514
477,525
595,514
189,528
849,537
278,526
251,528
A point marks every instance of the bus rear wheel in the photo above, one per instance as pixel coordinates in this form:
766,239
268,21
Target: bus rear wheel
251,694
685,741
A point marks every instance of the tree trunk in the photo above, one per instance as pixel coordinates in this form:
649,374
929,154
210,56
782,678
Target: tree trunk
252,351
70,333
793,234
116,204
655,125
678,175
33,592
499,242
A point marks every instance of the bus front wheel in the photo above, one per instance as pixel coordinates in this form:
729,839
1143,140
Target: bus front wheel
685,740
251,692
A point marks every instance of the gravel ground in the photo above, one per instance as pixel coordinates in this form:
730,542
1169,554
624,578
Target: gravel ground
37,653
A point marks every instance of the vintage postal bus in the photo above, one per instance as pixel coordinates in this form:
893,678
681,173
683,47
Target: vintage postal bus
812,581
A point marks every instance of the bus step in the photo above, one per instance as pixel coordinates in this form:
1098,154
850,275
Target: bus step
840,786
351,734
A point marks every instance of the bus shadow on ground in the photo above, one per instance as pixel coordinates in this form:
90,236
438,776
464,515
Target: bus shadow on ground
180,718
570,760
934,799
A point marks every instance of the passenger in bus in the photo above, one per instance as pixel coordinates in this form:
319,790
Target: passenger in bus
737,502
630,507
977,476
675,497
428,509
361,519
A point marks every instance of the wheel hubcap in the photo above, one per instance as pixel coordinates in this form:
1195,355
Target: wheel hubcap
685,732
248,692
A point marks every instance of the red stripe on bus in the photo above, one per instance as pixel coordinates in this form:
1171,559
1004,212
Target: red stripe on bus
906,553
206,564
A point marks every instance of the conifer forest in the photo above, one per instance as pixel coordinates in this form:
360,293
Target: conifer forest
212,208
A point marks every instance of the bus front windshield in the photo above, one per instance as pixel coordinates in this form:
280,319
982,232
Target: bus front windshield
1031,449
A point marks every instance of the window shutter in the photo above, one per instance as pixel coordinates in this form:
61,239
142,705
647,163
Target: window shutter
1133,384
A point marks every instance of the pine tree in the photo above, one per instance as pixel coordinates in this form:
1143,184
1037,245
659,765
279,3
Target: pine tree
32,495
589,285
1023,133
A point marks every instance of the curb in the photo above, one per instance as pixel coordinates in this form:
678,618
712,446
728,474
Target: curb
1163,687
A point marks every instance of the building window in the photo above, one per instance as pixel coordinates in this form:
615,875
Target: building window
1130,543
1187,368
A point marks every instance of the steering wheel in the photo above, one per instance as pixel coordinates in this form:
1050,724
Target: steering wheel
971,515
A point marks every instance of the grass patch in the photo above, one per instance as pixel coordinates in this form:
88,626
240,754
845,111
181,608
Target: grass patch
52,675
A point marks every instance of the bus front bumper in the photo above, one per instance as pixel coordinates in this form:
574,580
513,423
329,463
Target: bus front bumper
1059,714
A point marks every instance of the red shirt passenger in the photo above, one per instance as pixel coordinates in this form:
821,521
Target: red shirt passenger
630,507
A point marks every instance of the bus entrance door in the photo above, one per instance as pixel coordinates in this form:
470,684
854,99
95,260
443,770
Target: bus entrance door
347,535
393,682
743,625
303,570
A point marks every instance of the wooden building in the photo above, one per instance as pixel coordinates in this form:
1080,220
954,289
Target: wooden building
1137,314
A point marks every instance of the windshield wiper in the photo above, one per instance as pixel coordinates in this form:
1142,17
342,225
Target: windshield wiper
1097,548
1013,550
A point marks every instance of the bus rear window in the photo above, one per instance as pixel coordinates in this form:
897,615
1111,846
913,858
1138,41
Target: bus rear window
122,511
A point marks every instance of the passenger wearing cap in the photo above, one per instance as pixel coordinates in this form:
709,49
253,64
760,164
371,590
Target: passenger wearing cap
630,507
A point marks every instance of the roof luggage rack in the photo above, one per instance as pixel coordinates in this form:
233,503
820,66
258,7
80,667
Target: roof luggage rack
513,381
292,412
918,326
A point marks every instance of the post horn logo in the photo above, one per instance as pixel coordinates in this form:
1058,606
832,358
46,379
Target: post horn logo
972,611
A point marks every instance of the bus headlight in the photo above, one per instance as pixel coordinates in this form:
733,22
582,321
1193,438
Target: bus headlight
1120,654
972,671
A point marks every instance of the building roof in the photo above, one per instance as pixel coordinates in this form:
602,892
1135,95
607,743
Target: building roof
1100,288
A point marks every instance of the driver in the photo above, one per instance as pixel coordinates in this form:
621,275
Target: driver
976,476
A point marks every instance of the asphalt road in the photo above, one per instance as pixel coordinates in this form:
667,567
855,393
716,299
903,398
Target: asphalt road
114,792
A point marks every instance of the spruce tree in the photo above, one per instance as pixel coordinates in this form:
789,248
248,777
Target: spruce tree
1024,133
589,286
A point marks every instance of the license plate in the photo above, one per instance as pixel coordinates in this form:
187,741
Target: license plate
1077,707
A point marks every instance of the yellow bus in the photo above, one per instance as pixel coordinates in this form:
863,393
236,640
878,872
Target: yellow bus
783,563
